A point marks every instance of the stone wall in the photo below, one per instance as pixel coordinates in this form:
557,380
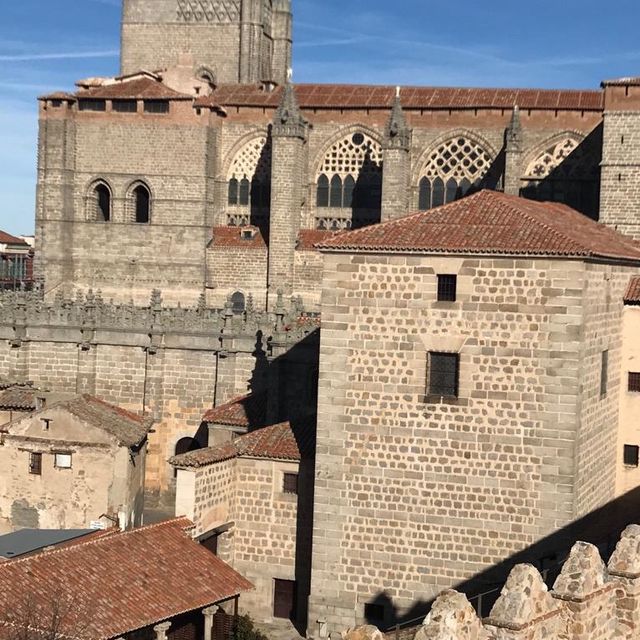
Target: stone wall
400,474
171,363
589,601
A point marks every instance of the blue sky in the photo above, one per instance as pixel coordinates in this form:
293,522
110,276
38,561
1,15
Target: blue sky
48,44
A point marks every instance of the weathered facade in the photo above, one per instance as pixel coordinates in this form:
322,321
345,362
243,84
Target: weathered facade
71,464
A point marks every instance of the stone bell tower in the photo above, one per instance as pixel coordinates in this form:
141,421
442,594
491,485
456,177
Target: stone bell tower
230,41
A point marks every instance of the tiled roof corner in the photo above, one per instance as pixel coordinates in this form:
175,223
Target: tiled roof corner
490,222
137,88
632,294
232,238
309,238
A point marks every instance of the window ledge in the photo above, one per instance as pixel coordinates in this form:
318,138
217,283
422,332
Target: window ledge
452,400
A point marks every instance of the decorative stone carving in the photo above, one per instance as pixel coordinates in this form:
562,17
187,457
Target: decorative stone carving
458,158
351,156
208,10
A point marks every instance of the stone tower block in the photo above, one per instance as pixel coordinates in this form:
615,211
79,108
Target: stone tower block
620,176
230,41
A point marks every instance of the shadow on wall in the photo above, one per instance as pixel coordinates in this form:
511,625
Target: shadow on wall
601,528
575,181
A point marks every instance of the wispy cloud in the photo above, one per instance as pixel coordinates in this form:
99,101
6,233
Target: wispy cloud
66,55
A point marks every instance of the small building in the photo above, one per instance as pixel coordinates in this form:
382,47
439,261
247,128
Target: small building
151,583
251,500
16,262
72,463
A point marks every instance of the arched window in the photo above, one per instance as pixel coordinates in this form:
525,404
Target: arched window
438,193
451,170
567,171
244,192
335,192
249,181
99,202
238,303
142,199
322,199
355,162
424,197
233,191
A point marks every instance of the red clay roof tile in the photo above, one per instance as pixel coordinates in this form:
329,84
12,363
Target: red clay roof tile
138,88
243,411
231,238
118,583
632,295
495,223
308,238
312,96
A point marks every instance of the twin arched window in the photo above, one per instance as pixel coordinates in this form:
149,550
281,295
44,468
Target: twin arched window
100,203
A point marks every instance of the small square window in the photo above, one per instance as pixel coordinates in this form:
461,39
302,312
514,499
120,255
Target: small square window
156,106
290,483
125,106
631,455
447,288
35,464
62,461
634,381
92,105
443,374
604,373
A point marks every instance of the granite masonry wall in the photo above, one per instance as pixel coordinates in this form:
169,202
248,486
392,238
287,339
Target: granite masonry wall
589,601
400,474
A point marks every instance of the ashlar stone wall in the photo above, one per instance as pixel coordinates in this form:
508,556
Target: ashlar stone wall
401,474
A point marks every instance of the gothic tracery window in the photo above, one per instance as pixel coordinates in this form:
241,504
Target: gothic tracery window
350,178
249,183
455,168
566,171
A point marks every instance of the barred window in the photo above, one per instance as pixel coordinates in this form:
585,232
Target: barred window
156,106
634,381
631,455
443,374
35,464
92,105
125,106
290,483
447,287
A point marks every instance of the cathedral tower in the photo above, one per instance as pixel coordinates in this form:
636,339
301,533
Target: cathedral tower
230,41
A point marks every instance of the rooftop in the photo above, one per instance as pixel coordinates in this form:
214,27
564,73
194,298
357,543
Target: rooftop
18,398
337,96
286,441
118,583
632,295
7,238
243,411
24,541
232,238
490,222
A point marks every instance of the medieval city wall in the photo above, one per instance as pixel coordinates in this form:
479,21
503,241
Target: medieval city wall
588,601
493,469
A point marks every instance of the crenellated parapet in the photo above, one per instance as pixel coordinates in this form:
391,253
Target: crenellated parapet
88,318
589,601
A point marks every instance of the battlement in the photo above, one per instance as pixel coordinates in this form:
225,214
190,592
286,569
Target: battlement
88,318
589,601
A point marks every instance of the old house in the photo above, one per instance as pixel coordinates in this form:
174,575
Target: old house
151,583
251,500
469,395
71,463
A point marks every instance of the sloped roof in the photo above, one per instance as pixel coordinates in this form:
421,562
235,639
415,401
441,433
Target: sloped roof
309,238
7,238
137,88
285,441
632,295
119,583
128,428
231,238
18,399
243,411
348,96
494,223
633,81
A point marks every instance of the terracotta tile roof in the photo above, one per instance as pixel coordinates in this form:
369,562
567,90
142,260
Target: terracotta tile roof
118,583
622,82
336,96
243,411
138,88
58,95
230,238
127,427
308,238
7,238
285,441
18,399
632,295
495,223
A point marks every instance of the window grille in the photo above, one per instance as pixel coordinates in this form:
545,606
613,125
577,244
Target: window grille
631,455
290,483
447,288
443,374
634,381
92,105
156,106
35,464
125,106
